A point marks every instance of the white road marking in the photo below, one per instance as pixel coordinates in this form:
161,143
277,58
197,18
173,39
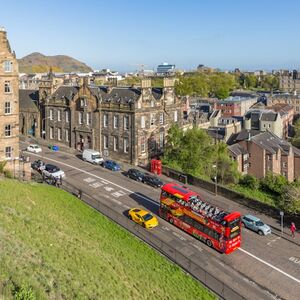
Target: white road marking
117,194
96,176
157,204
89,179
197,247
95,184
295,260
179,236
271,266
165,228
125,206
273,241
108,188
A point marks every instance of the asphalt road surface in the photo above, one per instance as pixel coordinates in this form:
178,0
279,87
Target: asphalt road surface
265,267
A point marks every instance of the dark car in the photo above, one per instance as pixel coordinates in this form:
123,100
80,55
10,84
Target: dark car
135,174
111,165
37,165
152,180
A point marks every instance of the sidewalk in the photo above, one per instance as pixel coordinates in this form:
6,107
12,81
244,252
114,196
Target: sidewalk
230,205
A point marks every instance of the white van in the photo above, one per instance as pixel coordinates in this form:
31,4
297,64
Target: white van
92,156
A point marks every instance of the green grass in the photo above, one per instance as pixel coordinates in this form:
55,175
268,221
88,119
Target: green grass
63,249
254,194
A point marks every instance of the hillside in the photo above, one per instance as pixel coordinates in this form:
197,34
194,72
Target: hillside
39,63
57,247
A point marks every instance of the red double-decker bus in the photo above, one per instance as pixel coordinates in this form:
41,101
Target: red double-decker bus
210,224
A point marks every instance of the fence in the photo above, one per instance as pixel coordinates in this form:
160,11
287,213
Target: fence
188,264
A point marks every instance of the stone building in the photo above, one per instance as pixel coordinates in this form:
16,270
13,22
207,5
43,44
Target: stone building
290,82
125,123
29,113
9,103
265,152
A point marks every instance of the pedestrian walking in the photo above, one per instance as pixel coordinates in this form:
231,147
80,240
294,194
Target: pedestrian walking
79,194
293,229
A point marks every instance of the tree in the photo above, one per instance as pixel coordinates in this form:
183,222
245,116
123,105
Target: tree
296,137
250,181
274,183
250,81
220,84
290,199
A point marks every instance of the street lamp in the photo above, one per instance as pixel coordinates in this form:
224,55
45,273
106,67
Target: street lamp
216,179
43,127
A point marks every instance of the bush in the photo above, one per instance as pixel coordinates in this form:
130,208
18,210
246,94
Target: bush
274,183
8,174
250,181
2,165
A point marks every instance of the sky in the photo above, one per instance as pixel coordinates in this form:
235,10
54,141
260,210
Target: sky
121,35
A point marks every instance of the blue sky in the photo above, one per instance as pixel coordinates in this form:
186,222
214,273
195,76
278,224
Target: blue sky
119,34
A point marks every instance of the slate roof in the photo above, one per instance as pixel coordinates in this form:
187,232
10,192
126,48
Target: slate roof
119,94
242,136
270,116
65,91
237,149
28,99
272,143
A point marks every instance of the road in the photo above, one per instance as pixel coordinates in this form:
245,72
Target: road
264,268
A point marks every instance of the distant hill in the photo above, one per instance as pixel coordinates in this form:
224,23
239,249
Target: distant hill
39,63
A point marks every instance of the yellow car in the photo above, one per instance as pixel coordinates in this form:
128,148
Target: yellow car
142,217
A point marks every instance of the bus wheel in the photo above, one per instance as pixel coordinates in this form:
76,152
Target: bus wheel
209,243
171,220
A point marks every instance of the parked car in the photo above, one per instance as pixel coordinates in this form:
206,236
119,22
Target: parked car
111,165
152,180
143,217
34,148
53,171
135,174
38,165
255,224
92,156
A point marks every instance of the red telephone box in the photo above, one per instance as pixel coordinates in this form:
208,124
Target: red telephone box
156,166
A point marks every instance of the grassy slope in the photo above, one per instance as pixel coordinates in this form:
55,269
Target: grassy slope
65,250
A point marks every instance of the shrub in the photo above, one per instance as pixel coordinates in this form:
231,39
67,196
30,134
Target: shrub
2,165
8,174
250,181
274,183
24,293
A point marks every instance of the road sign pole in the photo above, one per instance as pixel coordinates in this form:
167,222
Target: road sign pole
281,219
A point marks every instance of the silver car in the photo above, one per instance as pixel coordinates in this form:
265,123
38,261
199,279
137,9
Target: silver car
255,224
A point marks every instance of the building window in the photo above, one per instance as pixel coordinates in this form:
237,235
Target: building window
143,144
67,116
51,133
67,134
152,119
8,130
116,143
126,144
80,116
7,87
59,134
58,115
175,116
161,139
269,125
7,108
284,164
143,122
8,66
88,118
105,142
8,152
126,123
51,114
116,122
152,103
105,120
161,118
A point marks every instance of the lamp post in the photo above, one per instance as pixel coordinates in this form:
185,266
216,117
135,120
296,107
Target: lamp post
281,213
216,179
43,127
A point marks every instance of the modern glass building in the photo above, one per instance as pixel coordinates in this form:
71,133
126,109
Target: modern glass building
165,68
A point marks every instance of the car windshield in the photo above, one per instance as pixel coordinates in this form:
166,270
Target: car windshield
259,223
35,146
52,169
96,156
147,217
